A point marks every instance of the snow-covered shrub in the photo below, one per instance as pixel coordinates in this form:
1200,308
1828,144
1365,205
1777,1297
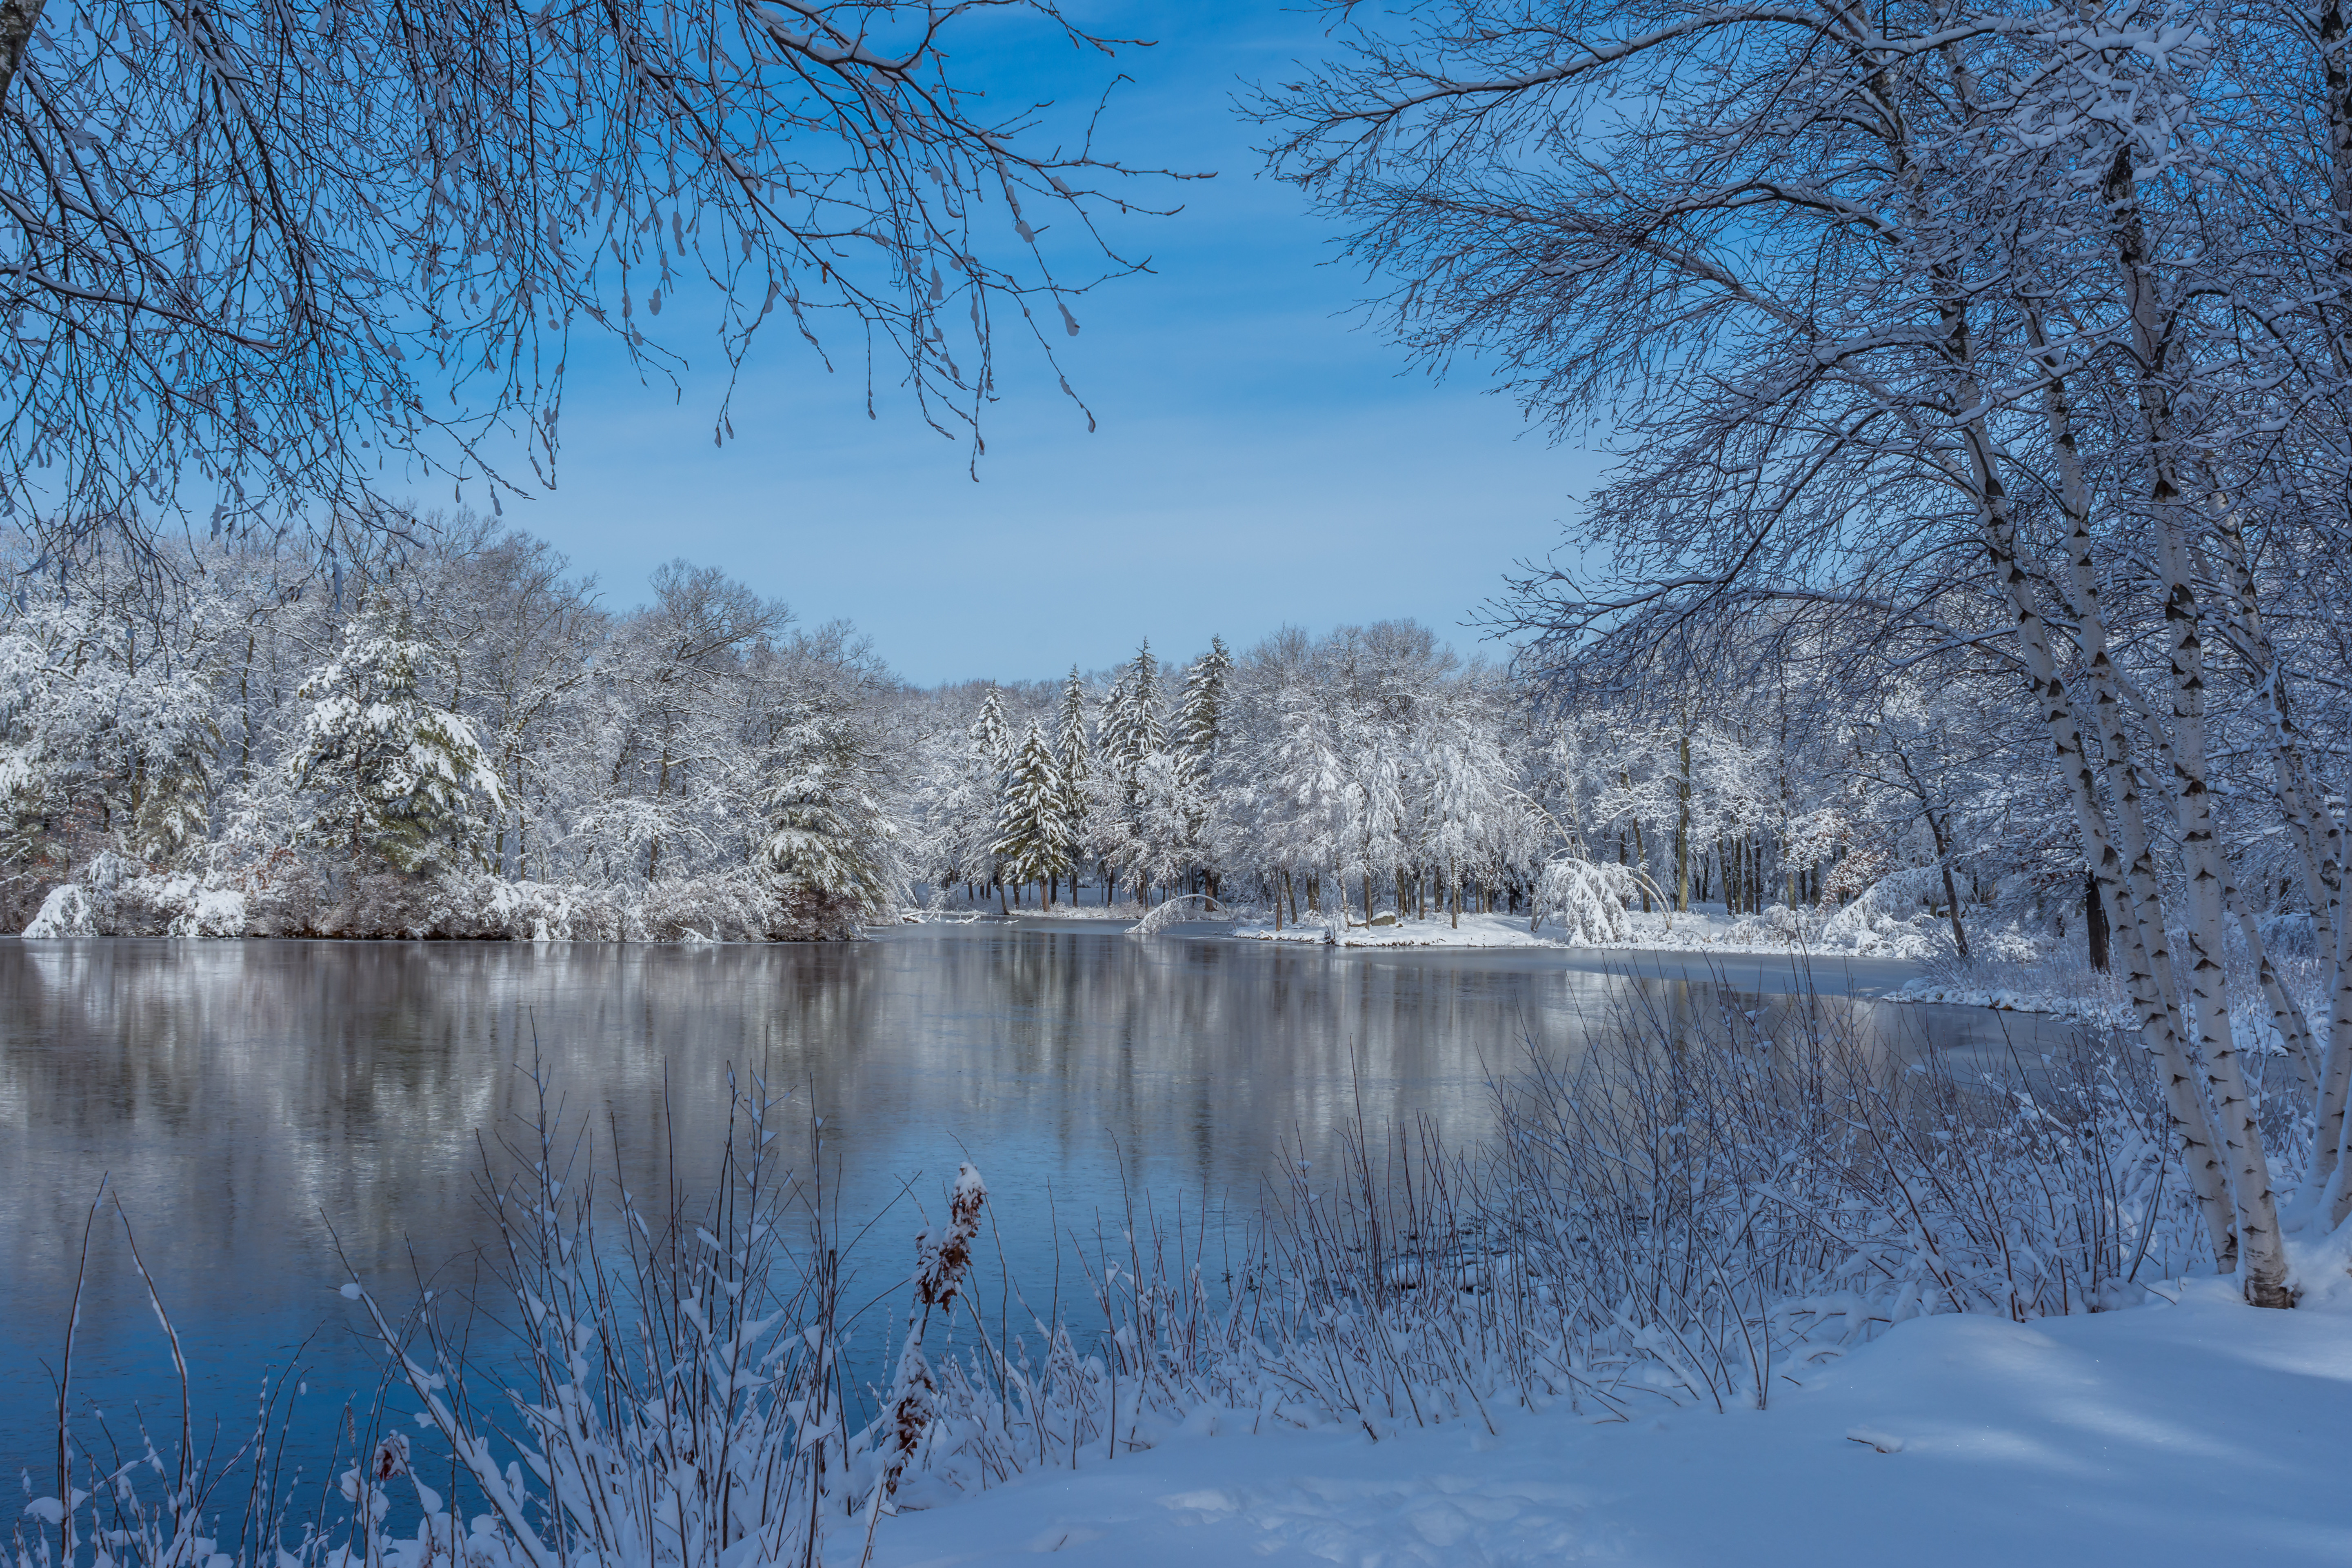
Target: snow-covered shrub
1588,899
115,897
1777,923
1887,919
68,910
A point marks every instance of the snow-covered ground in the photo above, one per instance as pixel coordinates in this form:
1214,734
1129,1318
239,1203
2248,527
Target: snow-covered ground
2102,1011
2200,1433
1475,930
1696,930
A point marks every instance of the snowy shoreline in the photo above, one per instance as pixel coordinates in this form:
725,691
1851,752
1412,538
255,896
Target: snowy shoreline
2061,1440
2050,1442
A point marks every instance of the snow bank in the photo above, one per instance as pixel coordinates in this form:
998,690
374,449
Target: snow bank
1475,930
285,897
2191,1433
1777,930
2105,1013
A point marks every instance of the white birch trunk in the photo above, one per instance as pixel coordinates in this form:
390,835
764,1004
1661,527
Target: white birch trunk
2125,874
2261,1253
2318,836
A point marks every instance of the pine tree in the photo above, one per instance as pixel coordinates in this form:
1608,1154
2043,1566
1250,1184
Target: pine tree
830,848
1070,734
1033,833
396,775
988,730
1132,735
986,766
1201,710
1199,714
1142,734
1075,764
1111,733
827,847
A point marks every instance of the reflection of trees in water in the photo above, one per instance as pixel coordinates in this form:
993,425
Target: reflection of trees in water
261,1084
239,1091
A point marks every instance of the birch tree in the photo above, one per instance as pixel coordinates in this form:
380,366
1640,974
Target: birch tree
1874,297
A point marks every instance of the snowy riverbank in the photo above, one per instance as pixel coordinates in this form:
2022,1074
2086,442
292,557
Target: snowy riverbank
2099,1011
1475,930
2190,1434
1698,930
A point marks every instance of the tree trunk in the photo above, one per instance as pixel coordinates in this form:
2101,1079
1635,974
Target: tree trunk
17,20
2319,841
2122,864
1952,894
2094,920
1682,834
2261,1252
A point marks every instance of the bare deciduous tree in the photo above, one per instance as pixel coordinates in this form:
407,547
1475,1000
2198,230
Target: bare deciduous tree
259,256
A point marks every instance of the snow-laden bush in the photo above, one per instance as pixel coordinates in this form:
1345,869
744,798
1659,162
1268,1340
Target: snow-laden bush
68,910
114,897
1779,924
1888,919
1588,899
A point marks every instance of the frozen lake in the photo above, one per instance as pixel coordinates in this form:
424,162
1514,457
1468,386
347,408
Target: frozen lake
242,1098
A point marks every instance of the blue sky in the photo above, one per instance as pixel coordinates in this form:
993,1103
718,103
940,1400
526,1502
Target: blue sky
1263,457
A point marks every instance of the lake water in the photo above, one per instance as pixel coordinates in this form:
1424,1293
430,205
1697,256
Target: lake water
248,1101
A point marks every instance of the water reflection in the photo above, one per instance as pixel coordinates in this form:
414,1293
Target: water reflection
249,1100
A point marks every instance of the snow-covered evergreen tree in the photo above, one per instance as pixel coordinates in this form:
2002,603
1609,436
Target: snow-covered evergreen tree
828,847
1141,731
1201,709
1034,835
989,745
388,776
1200,716
1074,756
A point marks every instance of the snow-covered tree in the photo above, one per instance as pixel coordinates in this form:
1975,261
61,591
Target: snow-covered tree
1074,757
389,777
108,723
1033,834
2004,374
828,847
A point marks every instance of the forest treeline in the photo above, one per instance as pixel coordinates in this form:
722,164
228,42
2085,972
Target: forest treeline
460,736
